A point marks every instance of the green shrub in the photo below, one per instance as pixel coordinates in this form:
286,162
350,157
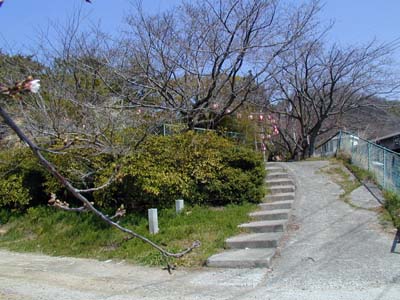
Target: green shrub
21,181
200,168
25,183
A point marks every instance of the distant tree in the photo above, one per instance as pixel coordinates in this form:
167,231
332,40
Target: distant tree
206,58
317,84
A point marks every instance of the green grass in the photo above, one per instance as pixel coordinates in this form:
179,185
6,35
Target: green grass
61,233
361,174
392,205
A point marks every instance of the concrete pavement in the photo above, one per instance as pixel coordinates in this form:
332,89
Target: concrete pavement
332,252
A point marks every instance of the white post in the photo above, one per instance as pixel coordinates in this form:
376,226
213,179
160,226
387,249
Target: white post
153,220
179,205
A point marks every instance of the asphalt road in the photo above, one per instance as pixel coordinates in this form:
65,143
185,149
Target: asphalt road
332,251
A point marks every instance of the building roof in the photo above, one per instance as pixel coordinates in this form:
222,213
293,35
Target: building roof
387,136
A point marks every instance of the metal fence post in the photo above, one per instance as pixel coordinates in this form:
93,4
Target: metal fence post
384,169
338,142
352,148
369,154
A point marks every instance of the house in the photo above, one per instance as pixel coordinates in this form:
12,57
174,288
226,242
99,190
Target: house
391,141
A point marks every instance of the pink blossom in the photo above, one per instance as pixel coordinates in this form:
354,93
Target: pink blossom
263,147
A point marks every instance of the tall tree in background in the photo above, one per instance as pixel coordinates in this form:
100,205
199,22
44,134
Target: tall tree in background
316,84
182,62
205,60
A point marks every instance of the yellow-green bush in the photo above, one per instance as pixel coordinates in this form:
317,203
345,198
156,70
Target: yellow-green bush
200,168
21,179
25,183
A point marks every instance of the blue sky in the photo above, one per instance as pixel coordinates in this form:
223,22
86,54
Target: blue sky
356,21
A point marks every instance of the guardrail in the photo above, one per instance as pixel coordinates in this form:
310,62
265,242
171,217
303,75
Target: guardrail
380,161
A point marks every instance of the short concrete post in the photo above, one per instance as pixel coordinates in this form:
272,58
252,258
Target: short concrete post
179,204
153,220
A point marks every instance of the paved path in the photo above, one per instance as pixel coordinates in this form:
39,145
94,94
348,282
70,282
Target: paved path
333,252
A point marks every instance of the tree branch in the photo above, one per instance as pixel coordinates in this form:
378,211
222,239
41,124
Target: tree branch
75,192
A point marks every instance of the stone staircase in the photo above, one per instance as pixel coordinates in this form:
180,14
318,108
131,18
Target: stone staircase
257,247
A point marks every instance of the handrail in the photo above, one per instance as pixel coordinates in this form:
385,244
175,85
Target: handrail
231,134
372,143
328,140
360,138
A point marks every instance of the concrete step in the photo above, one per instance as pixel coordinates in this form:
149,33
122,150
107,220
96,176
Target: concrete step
274,169
254,240
265,226
242,258
274,164
256,249
268,215
279,175
286,204
280,197
279,182
281,189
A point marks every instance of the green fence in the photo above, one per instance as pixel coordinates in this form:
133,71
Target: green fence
382,162
168,129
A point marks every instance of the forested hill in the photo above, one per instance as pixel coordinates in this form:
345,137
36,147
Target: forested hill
380,119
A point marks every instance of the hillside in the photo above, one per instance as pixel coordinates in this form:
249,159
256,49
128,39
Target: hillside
380,119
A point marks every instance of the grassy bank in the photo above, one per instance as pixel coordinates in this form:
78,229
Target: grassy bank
60,233
390,213
343,179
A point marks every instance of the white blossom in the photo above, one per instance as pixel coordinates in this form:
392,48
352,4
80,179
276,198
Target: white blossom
33,86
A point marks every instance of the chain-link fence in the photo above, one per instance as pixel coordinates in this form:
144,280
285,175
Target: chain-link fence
380,161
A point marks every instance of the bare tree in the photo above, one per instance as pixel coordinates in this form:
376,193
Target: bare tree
193,63
316,84
32,85
205,60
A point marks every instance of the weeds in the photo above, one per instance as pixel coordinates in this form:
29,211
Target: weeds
392,204
348,184
390,213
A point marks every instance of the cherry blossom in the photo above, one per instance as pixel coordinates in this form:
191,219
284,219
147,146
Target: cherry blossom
32,86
